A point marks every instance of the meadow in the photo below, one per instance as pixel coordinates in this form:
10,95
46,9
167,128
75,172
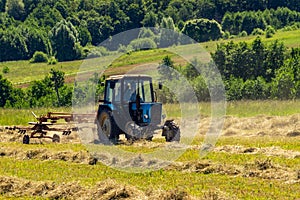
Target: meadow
257,155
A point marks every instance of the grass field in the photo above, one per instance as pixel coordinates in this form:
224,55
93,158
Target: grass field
256,156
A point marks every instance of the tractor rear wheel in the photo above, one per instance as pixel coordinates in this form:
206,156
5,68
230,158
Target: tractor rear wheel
107,127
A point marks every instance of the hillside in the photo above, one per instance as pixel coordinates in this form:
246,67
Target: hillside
21,73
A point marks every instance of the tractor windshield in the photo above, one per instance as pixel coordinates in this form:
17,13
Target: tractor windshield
135,86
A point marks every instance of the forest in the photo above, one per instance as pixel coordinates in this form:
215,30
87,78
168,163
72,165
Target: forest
56,31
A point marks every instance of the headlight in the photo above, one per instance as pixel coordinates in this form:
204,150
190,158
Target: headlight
146,116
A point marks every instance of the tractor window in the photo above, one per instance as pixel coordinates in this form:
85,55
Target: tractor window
134,86
146,91
117,91
109,92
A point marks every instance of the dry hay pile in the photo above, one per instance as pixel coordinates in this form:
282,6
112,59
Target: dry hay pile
261,125
264,169
105,190
268,151
46,154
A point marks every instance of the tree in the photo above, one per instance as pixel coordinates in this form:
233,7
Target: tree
203,30
12,45
58,81
63,38
166,68
15,8
150,19
5,90
168,35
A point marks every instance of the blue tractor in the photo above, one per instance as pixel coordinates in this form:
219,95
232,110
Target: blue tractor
130,107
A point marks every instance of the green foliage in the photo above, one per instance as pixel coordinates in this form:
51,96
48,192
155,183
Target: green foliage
236,22
57,81
166,69
5,90
143,44
12,44
52,61
63,38
5,70
249,62
39,57
15,9
168,35
270,31
257,31
203,30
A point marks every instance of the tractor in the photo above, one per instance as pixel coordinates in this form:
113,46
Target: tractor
130,107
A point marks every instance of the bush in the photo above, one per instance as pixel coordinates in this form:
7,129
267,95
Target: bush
5,70
257,31
270,31
98,52
39,57
243,34
52,61
143,44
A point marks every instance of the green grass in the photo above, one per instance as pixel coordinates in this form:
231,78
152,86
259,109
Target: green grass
236,108
10,116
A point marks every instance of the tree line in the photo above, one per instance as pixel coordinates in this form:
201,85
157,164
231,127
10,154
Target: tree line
67,30
255,71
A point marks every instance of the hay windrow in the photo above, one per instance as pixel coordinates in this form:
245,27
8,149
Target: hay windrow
105,190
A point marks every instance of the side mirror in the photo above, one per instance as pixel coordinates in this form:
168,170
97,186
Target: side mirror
160,85
102,84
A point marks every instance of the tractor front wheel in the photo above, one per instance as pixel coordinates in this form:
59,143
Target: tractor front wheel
171,131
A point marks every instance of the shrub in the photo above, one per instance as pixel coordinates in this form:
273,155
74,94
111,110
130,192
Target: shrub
39,57
243,34
270,31
52,61
257,31
143,44
5,70
98,51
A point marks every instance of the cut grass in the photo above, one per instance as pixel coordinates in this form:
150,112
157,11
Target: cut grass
61,172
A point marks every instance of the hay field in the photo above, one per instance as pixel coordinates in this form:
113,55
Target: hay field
256,157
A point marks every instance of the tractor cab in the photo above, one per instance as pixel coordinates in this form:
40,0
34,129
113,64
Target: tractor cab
130,106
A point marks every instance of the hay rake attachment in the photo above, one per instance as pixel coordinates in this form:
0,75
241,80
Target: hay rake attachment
42,126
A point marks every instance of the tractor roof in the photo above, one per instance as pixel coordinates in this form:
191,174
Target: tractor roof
117,77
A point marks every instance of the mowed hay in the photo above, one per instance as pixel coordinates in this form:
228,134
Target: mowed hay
105,190
263,125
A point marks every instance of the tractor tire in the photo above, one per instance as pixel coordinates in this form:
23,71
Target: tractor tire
107,128
171,132
55,138
26,139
